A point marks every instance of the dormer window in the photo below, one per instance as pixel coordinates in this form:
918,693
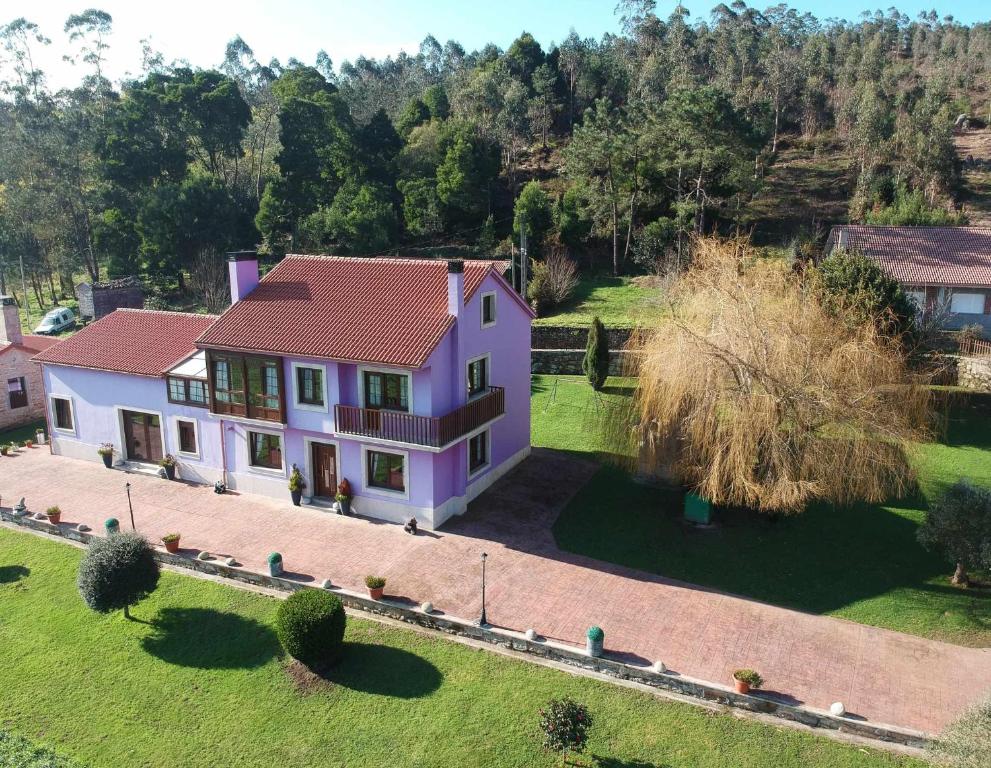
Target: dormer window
488,309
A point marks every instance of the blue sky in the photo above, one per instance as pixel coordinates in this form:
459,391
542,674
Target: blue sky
197,31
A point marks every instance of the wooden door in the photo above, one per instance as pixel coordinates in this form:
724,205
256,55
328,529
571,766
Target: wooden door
324,470
142,436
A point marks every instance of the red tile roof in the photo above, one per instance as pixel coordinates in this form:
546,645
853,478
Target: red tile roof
137,341
389,311
919,256
31,344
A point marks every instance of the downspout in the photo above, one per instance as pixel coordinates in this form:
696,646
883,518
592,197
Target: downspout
223,451
48,418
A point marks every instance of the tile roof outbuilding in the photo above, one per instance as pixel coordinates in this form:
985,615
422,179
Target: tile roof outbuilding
920,256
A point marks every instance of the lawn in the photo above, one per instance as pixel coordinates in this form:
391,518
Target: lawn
20,434
197,679
861,563
619,302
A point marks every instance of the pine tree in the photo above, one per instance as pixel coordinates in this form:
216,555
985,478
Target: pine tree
596,362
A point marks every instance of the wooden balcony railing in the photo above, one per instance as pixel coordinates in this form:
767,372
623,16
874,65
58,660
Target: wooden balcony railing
430,431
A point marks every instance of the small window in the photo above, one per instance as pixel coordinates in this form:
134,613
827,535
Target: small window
266,450
177,390
197,391
478,376
62,411
187,391
967,303
478,452
187,436
386,471
488,309
309,386
386,391
17,393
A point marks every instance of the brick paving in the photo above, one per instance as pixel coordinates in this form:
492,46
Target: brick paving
883,676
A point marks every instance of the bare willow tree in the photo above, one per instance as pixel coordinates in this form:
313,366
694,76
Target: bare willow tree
208,280
753,393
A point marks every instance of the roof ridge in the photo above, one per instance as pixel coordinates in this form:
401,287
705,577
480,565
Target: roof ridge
386,259
167,312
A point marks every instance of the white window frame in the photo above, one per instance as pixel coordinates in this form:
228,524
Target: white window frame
472,474
301,406
362,369
268,471
178,441
968,294
488,372
495,308
385,492
72,414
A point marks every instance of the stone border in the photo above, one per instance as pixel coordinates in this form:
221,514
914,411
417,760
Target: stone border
607,664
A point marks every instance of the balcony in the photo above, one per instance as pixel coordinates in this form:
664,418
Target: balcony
428,431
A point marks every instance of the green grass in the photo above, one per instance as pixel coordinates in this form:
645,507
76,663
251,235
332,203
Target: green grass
20,434
197,679
861,563
620,302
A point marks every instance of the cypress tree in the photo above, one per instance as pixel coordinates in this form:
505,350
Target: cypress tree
596,362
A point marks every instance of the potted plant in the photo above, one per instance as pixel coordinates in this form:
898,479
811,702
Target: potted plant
29,443
168,464
344,496
746,679
4,450
54,515
171,542
106,452
376,586
296,485
275,564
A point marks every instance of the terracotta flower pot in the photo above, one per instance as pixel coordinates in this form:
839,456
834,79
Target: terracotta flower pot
172,546
55,518
742,686
376,592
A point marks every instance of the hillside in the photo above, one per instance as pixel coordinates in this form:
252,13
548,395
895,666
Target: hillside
974,150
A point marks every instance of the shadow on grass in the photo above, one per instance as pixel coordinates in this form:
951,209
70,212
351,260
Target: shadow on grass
384,671
11,573
615,762
207,639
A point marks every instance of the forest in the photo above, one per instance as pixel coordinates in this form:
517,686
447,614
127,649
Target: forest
608,153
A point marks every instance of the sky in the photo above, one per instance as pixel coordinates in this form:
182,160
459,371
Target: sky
197,31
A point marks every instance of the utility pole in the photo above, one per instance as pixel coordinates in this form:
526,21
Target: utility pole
24,289
523,258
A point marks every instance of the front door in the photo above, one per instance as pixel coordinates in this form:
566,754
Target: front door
142,436
324,470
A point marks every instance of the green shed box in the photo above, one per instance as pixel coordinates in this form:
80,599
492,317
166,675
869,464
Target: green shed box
697,509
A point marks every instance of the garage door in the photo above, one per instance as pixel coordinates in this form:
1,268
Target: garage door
967,303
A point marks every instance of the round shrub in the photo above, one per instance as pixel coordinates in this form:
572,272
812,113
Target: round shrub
310,626
117,572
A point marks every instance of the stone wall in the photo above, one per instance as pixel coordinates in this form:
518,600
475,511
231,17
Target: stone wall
974,373
15,363
561,337
607,664
569,361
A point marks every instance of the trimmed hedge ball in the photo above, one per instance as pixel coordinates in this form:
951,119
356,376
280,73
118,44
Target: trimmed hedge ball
117,572
310,625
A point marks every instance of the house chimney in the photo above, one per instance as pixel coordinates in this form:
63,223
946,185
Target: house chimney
455,287
242,266
10,322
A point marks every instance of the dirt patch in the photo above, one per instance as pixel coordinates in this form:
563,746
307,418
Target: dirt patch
307,681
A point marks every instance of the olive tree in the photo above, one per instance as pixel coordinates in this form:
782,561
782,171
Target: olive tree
117,572
959,523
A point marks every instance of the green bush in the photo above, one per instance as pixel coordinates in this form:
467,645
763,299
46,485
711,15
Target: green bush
310,626
965,743
19,752
117,572
596,363
564,724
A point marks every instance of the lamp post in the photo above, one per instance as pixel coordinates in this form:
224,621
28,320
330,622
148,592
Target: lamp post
129,507
482,620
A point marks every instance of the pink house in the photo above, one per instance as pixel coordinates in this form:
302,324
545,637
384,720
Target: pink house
409,378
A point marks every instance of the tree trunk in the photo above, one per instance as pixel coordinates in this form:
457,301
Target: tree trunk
615,238
127,613
960,577
777,114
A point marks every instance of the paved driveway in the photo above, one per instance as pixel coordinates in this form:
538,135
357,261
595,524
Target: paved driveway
883,676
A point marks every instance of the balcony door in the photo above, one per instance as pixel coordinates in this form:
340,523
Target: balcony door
384,392
142,436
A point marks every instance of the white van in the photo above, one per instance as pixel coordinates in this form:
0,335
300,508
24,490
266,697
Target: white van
56,321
